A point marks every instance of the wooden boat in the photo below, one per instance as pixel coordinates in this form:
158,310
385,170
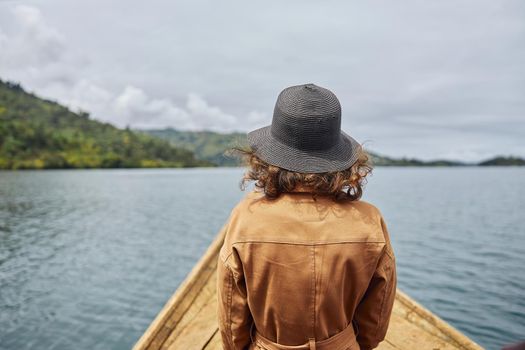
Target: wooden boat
188,320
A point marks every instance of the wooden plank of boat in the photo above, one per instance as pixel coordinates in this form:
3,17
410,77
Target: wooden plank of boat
188,320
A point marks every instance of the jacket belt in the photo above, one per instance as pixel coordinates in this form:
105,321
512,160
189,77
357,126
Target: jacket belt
344,340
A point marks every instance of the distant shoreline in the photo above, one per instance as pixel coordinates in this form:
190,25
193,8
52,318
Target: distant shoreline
241,167
38,134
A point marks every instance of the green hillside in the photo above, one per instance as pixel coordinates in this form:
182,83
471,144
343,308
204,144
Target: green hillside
207,145
40,134
387,161
37,133
210,146
503,161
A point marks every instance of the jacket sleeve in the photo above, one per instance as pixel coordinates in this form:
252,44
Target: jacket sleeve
373,312
234,316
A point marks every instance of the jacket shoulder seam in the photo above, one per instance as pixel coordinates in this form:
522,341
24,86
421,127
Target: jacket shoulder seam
308,243
225,261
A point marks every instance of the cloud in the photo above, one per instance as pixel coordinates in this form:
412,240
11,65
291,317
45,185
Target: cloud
138,109
135,107
412,79
33,44
208,115
35,52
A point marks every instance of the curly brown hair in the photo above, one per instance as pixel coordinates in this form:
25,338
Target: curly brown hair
344,185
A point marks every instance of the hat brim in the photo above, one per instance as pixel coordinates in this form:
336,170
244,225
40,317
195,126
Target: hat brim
339,157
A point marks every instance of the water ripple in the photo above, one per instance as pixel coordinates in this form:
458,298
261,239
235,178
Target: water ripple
88,258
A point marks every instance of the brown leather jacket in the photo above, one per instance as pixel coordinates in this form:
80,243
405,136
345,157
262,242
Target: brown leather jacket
304,274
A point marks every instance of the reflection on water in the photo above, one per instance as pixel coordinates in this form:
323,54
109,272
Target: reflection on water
87,258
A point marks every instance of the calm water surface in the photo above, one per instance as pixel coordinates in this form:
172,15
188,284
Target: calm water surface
88,258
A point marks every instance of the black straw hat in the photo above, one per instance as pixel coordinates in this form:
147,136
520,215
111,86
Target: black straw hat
305,134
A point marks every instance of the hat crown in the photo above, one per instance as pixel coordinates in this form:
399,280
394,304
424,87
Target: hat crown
307,117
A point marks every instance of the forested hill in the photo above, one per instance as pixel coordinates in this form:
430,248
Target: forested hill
207,145
37,133
211,145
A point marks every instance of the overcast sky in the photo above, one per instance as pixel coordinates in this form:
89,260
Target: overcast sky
427,79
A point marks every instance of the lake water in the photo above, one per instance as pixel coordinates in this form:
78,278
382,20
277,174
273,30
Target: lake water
89,257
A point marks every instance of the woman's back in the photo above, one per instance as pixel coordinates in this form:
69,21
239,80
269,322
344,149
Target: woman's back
304,262
295,269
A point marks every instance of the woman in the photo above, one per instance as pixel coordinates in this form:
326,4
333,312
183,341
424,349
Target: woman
305,263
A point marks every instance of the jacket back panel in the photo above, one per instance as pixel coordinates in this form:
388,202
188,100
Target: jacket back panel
304,265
